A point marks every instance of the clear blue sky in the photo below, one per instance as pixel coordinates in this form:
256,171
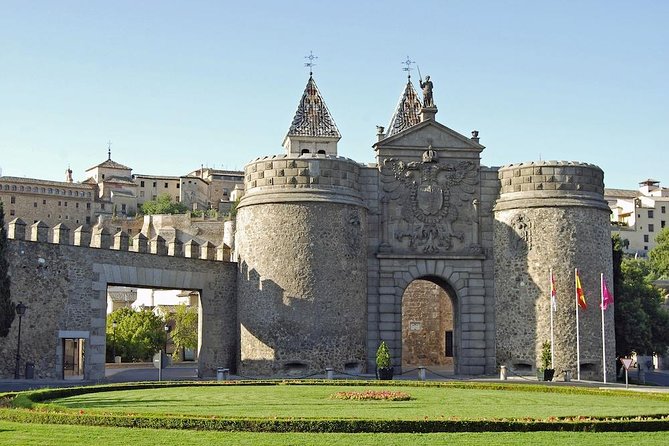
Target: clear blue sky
177,84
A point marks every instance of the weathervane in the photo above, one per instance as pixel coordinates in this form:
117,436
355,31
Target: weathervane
408,68
311,63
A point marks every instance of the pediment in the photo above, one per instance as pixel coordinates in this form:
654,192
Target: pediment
431,133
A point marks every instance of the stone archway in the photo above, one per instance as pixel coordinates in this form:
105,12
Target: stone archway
428,325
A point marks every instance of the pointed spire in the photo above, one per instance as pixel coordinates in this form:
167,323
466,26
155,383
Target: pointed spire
407,113
313,130
312,117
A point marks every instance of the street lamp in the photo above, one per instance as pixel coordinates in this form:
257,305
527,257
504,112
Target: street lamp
20,311
114,341
167,330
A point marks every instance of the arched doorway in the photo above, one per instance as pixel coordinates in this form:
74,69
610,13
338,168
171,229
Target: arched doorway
428,321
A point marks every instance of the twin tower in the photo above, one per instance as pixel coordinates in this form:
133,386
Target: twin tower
444,259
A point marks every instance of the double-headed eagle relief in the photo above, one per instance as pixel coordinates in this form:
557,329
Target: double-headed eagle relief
428,198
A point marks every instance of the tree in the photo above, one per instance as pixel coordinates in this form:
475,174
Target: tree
138,334
659,256
642,325
184,334
163,205
7,307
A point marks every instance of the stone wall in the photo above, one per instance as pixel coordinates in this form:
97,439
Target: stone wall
427,314
301,246
552,215
65,289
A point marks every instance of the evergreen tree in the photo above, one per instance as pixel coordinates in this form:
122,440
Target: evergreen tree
7,307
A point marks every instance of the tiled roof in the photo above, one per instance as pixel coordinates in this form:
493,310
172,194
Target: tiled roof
121,180
21,180
109,164
621,193
407,113
312,117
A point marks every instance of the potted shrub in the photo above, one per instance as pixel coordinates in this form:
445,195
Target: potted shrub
545,372
384,369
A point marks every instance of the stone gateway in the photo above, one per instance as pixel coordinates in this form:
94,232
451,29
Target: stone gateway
444,259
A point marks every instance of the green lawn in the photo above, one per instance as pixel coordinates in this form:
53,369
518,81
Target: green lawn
313,402
41,434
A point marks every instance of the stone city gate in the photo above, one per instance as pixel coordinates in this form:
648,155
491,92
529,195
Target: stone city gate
65,289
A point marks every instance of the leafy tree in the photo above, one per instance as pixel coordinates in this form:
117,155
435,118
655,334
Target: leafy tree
184,334
7,307
642,325
163,205
139,334
659,256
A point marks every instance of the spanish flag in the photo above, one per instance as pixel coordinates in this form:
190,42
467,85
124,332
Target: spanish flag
580,295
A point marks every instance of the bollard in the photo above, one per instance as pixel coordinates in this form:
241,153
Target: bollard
421,373
329,372
221,374
502,373
567,376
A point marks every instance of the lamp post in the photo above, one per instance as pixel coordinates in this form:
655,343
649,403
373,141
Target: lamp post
167,330
20,311
114,341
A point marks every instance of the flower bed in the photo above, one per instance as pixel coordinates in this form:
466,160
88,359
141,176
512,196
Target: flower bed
372,395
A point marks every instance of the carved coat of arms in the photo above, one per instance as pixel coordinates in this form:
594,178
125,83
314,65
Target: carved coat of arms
424,191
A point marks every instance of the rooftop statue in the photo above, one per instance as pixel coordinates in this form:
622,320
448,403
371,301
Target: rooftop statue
428,101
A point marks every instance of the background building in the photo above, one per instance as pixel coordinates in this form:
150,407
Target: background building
638,215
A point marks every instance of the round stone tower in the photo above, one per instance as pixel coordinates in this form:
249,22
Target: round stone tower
551,215
301,246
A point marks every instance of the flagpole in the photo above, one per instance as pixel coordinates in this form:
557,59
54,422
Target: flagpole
578,349
552,305
601,288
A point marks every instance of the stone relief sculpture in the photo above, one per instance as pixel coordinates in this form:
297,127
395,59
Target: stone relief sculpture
426,194
521,234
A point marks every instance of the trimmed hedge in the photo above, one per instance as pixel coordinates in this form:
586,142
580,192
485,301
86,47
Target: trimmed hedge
33,407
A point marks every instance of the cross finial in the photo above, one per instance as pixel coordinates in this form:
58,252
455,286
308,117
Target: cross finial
311,63
109,143
408,68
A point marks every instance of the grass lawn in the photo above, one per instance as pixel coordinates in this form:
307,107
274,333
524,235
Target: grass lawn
313,401
40,434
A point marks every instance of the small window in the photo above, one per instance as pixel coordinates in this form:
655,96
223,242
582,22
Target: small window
123,207
11,212
59,203
166,185
155,184
103,176
448,347
141,184
664,209
76,205
12,199
650,213
35,204
645,238
88,206
645,248
43,201
651,228
65,203
304,151
14,187
662,223
176,198
178,185
88,220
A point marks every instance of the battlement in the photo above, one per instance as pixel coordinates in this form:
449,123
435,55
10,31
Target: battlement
565,182
100,238
311,176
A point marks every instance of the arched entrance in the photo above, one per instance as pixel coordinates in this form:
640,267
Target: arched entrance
428,321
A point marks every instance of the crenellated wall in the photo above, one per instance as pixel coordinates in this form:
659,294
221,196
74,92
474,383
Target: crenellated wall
65,289
100,237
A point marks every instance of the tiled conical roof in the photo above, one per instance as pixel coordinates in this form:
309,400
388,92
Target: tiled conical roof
313,117
407,113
